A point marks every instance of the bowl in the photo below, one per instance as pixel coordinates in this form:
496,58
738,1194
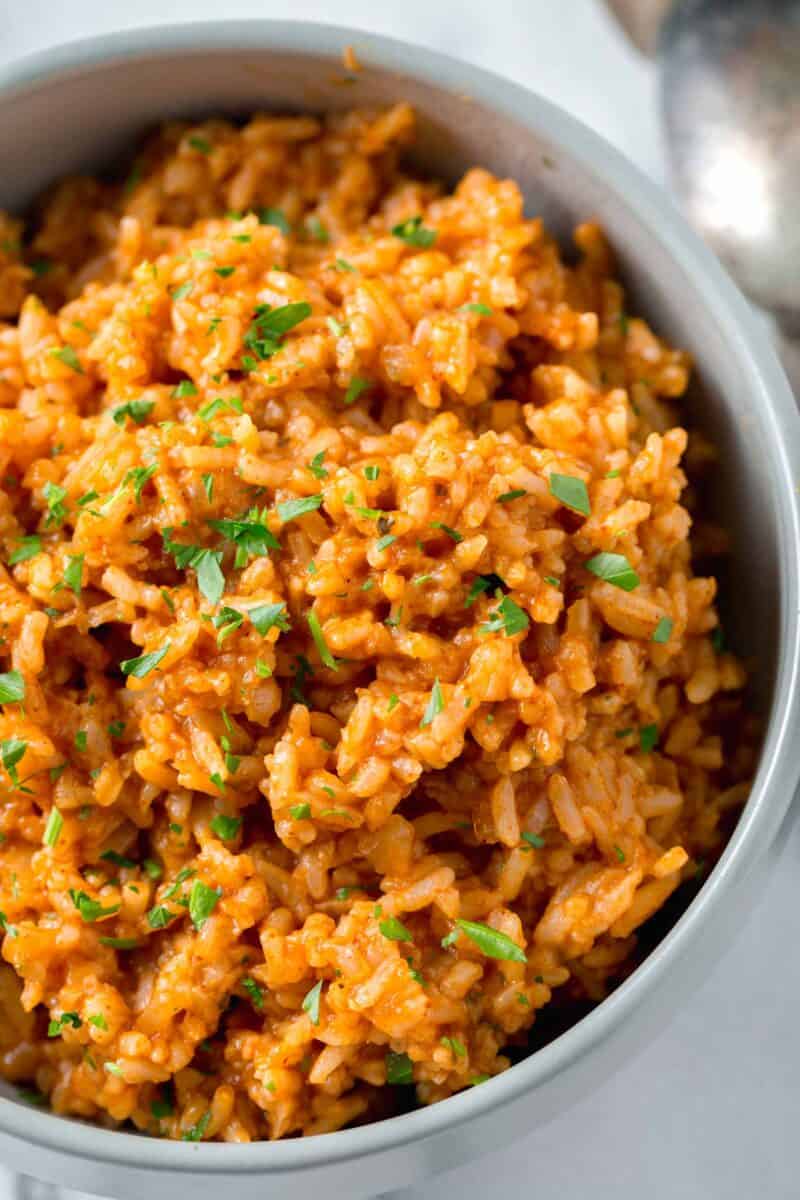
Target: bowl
81,106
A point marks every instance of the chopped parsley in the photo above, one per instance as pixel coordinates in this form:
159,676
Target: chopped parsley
12,688
249,534
515,494
648,738
219,404
455,1046
202,902
183,292
145,663
52,830
265,334
434,706
56,1025
395,930
614,569
224,827
311,1002
533,839
317,230
482,310
290,510
414,233
491,942
300,812
55,495
399,1068
137,410
68,356
508,617
663,630
208,485
451,533
119,860
206,564
316,468
195,1132
28,547
268,616
572,492
89,909
255,992
484,583
355,387
200,144
73,573
276,217
319,641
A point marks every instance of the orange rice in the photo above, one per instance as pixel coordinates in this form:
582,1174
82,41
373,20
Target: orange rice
327,760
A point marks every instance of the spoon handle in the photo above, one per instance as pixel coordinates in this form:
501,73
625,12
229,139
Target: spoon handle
641,20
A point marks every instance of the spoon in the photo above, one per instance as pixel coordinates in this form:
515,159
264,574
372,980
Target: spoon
729,79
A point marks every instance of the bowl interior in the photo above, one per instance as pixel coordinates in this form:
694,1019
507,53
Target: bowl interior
90,117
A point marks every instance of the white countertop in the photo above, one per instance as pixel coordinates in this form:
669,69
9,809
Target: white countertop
709,1110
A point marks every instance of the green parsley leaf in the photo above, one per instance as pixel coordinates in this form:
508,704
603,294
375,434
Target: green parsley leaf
317,230
73,573
225,827
508,617
182,292
572,492
119,943
263,670
196,1132
160,916
12,750
533,839
663,630
138,476
12,688
276,217
119,860
300,812
69,357
451,533
224,273
385,542
161,1109
137,410
56,1025
202,902
648,738
55,496
145,663
227,621
455,1046
620,853
482,310
290,510
343,265
516,494
200,144
255,992
414,233
267,616
434,706
355,387
98,1020
116,729
614,569
393,702
316,468
311,1002
551,579
91,910
371,473
153,869
395,930
491,942
265,334
399,1068
219,404
185,388
483,583
28,547
319,641
52,830
208,485
249,535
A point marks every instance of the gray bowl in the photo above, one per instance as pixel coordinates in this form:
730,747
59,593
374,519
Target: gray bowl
81,106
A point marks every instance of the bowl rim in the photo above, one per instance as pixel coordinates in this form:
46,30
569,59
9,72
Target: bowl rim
777,774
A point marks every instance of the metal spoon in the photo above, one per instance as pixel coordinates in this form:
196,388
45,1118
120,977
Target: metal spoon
730,100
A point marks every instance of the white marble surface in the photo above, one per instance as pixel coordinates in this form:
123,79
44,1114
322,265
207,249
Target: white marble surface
708,1111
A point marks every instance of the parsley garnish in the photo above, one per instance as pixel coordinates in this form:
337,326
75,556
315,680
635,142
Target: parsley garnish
355,387
265,335
663,630
68,356
91,910
12,688
28,547
414,233
451,533
55,495
226,827
614,569
395,930
648,738
267,616
276,217
144,664
202,902
290,510
572,492
249,534
434,706
399,1068
206,564
316,468
137,410
491,942
52,830
319,641
255,993
73,573
508,617
311,1002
